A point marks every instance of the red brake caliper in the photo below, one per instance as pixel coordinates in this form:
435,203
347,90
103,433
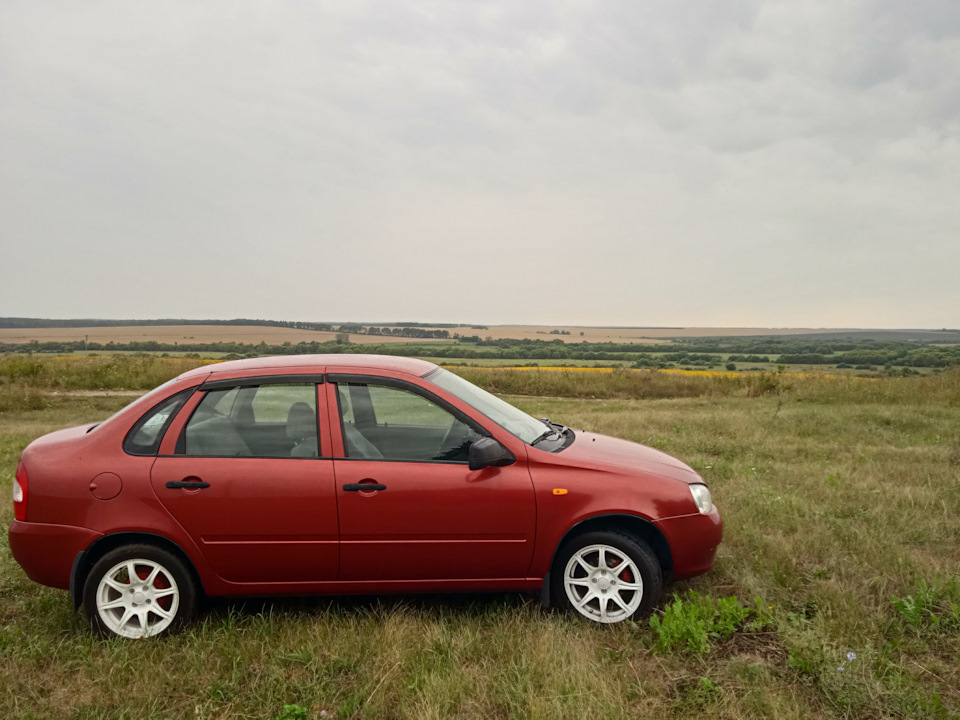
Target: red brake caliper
627,577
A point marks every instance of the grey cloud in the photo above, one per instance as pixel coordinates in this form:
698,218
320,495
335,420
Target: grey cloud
375,157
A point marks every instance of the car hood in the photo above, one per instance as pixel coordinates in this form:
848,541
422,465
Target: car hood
609,451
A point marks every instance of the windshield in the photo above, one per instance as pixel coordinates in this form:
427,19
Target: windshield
514,421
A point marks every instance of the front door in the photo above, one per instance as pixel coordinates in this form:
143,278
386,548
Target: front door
410,508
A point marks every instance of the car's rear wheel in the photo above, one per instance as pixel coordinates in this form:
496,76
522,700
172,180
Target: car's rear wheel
139,591
607,577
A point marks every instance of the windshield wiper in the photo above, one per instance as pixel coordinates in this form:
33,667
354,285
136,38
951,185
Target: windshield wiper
546,434
552,429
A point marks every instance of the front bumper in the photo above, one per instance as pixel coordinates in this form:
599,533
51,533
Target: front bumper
693,541
46,552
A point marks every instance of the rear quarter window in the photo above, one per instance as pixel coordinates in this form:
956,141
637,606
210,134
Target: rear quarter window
144,437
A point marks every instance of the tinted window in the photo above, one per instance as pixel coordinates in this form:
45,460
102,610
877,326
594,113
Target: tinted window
255,421
389,423
144,438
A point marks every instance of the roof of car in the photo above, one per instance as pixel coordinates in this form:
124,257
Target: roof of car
413,366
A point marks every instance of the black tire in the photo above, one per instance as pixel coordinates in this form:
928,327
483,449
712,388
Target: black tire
611,581
163,606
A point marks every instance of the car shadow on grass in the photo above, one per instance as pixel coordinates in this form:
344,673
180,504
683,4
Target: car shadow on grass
438,606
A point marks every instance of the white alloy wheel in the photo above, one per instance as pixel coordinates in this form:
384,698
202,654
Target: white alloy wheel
137,598
603,583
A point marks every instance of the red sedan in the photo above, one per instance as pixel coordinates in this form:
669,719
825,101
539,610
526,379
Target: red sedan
347,474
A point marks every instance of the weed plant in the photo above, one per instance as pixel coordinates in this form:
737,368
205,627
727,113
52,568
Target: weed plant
933,608
690,624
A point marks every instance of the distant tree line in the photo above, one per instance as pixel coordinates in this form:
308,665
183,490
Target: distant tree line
395,331
915,357
33,323
425,325
28,323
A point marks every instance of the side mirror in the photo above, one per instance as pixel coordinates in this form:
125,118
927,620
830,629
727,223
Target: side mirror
487,452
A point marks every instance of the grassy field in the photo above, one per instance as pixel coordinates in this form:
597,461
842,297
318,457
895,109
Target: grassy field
835,593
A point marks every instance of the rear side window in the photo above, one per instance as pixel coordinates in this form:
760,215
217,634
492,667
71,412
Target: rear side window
275,420
144,437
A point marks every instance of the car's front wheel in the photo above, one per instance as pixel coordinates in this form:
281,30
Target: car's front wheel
139,591
607,577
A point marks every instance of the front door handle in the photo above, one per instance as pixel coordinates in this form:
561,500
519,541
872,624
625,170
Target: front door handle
361,487
187,484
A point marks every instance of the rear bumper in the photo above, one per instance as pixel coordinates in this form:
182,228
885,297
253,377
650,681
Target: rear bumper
47,552
693,542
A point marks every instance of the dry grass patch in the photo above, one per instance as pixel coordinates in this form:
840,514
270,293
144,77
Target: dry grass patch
188,335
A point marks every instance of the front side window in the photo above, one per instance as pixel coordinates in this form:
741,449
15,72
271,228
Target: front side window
254,421
390,423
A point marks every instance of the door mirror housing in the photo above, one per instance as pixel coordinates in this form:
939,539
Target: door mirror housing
487,452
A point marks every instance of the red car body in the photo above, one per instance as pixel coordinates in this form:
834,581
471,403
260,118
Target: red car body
294,525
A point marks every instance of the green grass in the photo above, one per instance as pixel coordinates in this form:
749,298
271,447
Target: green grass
842,535
113,372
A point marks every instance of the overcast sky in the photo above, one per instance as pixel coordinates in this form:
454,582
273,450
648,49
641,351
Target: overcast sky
712,162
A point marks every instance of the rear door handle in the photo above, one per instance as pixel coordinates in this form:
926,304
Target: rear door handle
359,487
187,485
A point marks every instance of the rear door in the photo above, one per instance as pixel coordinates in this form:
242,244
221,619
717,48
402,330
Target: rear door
410,507
243,471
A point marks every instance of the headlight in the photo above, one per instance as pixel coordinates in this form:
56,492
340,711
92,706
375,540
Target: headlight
701,496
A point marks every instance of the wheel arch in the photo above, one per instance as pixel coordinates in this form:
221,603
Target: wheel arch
633,525
86,559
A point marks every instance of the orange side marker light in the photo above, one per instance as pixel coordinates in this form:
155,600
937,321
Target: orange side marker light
559,491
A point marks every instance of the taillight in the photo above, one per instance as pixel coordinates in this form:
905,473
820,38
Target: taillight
20,494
